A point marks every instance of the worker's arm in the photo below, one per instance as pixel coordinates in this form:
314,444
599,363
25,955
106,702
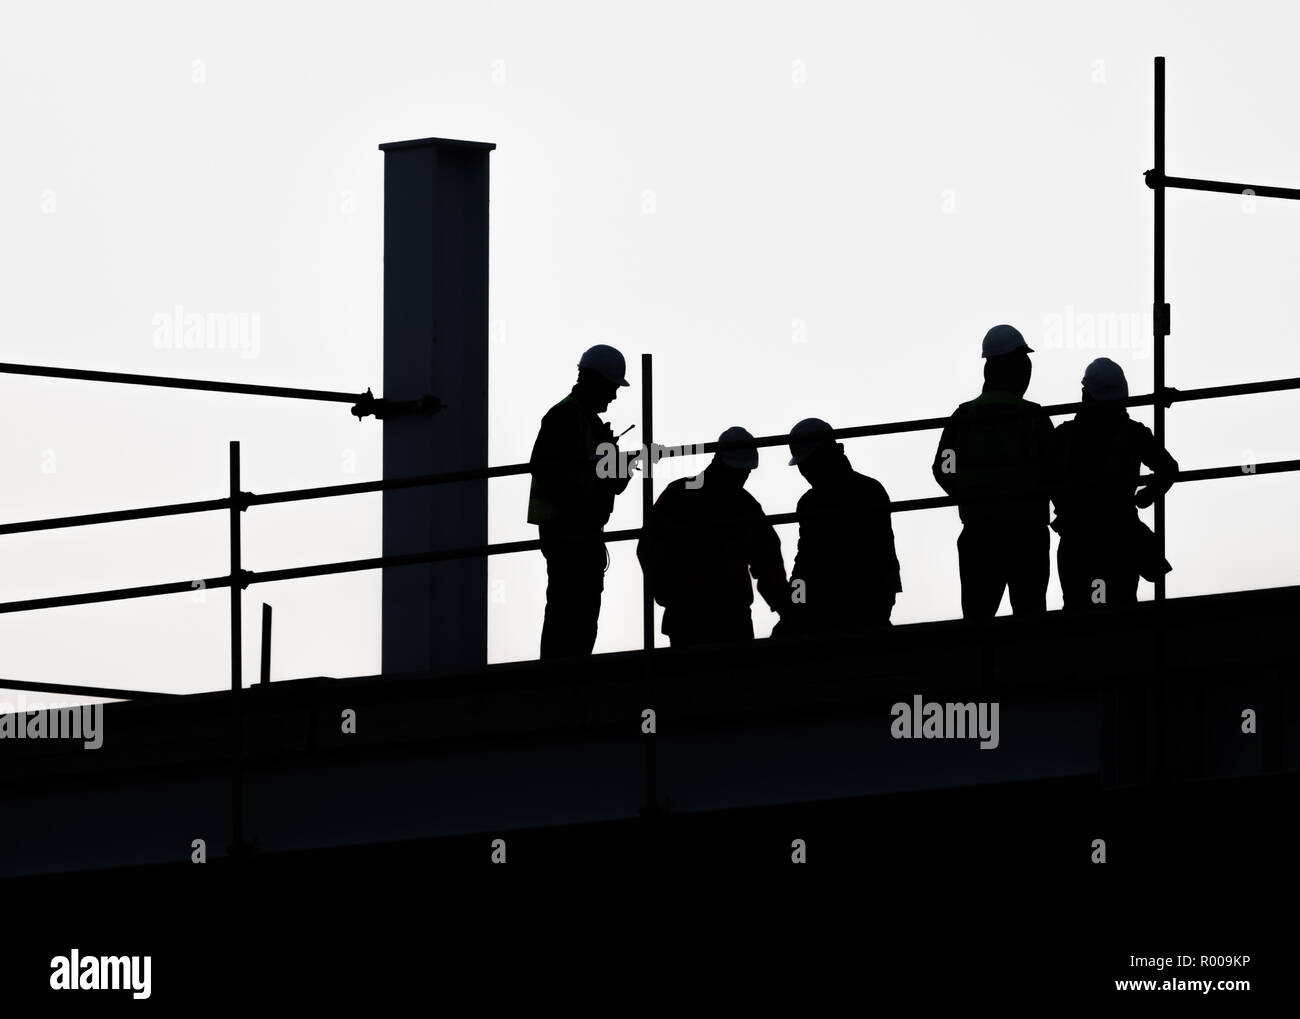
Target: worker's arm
803,549
886,553
1049,462
647,551
806,555
882,579
657,547
765,560
620,483
947,457
616,465
1164,469
1059,475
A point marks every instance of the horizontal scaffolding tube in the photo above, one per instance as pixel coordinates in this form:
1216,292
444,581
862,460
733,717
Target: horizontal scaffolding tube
1054,410
1241,470
175,383
507,470
918,424
500,548
118,594
860,431
77,690
1222,186
387,485
115,516
899,506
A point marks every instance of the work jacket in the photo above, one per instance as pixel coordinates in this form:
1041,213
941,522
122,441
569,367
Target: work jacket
1101,453
995,458
846,558
701,545
567,491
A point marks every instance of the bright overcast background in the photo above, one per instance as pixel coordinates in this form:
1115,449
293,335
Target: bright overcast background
799,208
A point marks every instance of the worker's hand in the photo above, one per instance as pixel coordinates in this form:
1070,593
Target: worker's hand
1144,498
623,475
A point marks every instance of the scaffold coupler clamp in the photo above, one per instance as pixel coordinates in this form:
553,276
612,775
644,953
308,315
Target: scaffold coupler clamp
428,404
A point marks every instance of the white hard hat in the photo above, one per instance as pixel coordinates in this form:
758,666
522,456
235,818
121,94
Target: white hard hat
605,361
1104,380
743,458
1004,339
806,438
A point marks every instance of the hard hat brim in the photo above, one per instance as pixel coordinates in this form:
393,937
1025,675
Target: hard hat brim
617,382
1026,349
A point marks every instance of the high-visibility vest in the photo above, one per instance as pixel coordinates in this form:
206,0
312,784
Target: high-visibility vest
1002,465
566,493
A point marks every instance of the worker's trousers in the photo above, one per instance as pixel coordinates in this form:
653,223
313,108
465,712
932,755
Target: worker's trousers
994,557
865,611
1097,569
703,624
575,579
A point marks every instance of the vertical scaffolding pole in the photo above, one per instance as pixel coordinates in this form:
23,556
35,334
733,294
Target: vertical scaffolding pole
1159,310
1156,700
647,495
265,677
650,804
236,664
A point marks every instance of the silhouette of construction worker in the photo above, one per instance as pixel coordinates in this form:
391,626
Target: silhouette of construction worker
995,458
577,472
1104,545
704,538
845,573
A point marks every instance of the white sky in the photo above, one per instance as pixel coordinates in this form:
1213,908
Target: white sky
798,208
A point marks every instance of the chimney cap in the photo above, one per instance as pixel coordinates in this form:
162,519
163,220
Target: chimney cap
418,142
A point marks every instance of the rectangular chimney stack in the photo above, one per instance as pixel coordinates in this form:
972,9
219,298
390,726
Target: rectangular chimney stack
435,342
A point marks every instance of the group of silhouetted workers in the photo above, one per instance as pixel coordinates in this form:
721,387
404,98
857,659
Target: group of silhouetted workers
998,456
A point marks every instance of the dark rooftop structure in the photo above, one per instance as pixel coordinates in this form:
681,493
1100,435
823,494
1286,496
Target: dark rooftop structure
1096,714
